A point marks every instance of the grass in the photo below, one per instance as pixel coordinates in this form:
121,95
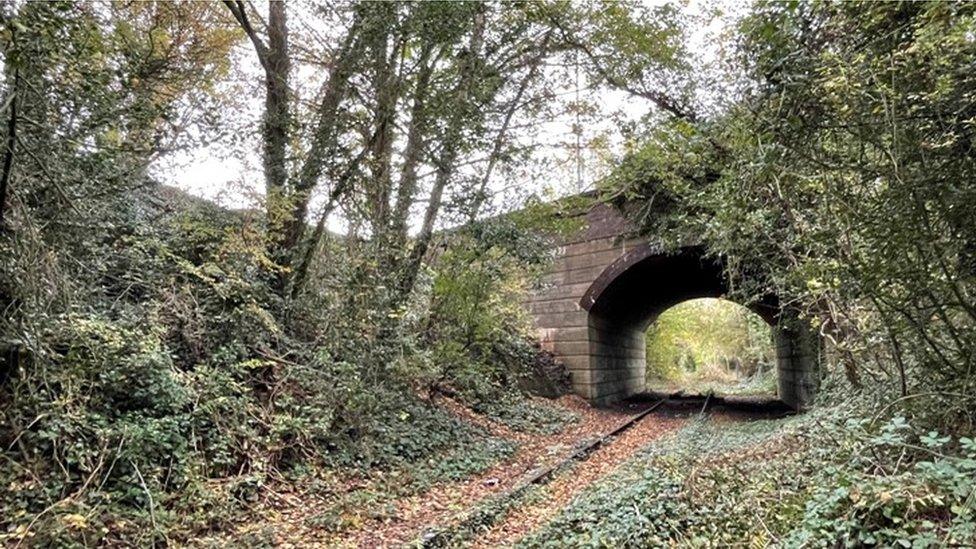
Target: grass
704,381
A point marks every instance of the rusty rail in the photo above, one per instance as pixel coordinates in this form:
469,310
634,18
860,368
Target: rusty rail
435,538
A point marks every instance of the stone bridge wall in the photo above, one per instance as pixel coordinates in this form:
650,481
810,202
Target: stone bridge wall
604,348
564,326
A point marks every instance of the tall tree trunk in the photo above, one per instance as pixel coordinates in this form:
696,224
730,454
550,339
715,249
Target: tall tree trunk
325,135
324,143
8,153
276,123
288,197
276,127
445,164
300,275
413,151
385,90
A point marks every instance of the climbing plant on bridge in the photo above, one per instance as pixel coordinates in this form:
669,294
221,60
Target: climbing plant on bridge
840,178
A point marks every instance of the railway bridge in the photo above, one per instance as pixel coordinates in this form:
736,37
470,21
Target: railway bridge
606,286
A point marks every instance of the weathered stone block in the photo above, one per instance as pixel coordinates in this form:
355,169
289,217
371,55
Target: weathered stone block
603,346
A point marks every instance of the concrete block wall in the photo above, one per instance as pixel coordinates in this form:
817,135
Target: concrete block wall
565,329
617,361
797,365
605,357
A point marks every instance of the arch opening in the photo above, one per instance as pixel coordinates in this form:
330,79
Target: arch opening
710,345
633,291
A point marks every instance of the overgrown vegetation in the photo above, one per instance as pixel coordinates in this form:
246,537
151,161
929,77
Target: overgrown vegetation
837,181
160,364
163,360
829,478
711,345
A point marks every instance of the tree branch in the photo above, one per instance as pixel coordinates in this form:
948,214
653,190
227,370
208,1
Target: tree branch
240,14
342,187
480,196
660,100
446,161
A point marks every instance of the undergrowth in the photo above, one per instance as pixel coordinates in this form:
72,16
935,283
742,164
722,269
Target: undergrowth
516,411
830,478
163,401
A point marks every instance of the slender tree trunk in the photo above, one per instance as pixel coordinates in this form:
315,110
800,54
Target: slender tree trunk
325,136
8,154
385,89
276,125
324,142
413,152
342,185
448,158
287,196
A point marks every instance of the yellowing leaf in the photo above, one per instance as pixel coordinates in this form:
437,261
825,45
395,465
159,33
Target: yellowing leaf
75,521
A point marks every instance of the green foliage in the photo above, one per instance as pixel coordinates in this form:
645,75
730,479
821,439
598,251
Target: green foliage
159,394
837,180
708,340
902,487
96,413
826,479
478,329
98,90
210,377
525,414
633,46
155,374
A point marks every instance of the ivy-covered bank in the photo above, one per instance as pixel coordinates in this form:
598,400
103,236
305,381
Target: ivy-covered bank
829,478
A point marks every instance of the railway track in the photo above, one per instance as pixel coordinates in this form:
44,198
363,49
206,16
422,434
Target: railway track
508,516
487,514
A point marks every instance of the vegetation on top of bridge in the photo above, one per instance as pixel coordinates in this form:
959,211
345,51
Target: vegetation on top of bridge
164,365
842,182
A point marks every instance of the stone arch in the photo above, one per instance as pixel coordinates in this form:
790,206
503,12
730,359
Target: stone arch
645,281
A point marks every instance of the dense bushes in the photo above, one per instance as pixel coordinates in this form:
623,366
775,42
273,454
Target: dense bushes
161,404
478,329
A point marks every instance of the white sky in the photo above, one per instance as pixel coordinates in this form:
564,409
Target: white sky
229,172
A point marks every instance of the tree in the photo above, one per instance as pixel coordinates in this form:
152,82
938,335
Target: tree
842,171
411,91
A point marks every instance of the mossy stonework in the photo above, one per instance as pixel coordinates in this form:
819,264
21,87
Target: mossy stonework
606,286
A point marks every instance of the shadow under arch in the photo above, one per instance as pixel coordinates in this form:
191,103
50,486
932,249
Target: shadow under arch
636,288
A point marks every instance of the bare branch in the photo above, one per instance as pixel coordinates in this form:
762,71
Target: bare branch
237,8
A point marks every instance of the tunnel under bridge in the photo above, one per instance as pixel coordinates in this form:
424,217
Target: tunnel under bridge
606,287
